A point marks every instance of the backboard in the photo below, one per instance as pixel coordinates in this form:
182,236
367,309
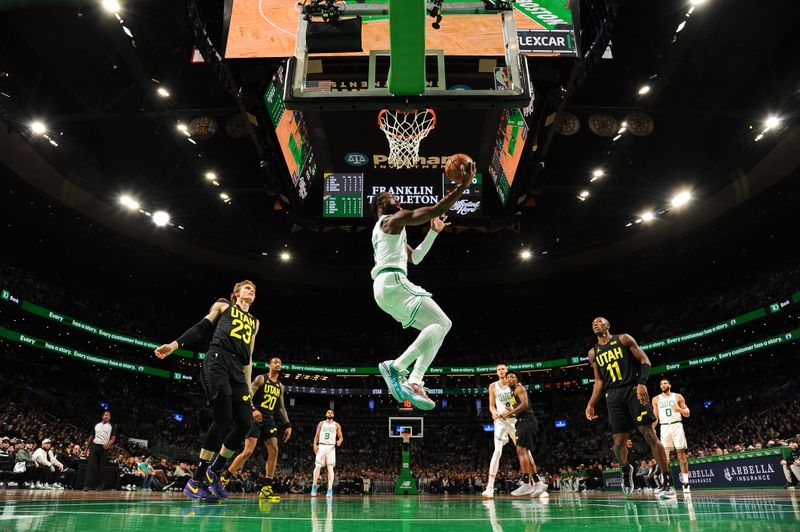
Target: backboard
415,425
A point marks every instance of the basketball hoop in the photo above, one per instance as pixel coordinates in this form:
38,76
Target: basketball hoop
406,437
404,131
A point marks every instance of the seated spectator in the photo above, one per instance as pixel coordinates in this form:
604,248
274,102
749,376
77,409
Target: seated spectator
791,467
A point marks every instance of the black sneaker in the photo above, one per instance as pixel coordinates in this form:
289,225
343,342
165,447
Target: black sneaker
627,479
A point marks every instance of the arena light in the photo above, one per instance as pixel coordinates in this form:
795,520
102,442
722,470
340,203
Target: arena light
183,128
584,194
597,174
129,202
619,136
112,6
697,2
285,256
771,122
164,93
38,127
681,198
160,218
211,176
759,137
644,89
525,254
648,216
224,196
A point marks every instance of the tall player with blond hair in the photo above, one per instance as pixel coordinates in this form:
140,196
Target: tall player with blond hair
227,372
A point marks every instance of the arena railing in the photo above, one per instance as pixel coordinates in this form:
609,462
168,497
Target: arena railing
116,336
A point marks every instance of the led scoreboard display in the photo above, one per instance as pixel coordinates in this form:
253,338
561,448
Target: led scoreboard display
343,196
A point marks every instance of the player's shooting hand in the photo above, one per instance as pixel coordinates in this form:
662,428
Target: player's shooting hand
164,351
467,173
287,434
439,223
641,394
590,415
257,416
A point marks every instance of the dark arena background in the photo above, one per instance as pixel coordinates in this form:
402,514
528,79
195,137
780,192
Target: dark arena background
637,161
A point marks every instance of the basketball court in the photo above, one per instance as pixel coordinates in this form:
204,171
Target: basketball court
716,510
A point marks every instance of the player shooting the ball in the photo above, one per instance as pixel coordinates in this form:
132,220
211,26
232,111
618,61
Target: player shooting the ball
406,302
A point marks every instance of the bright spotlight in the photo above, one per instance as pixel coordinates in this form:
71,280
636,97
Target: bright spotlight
129,202
285,256
224,196
112,6
525,255
598,173
697,2
211,176
648,216
644,90
160,218
183,128
584,193
682,198
164,93
38,128
771,122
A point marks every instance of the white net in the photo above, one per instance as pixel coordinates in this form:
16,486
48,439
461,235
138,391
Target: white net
404,131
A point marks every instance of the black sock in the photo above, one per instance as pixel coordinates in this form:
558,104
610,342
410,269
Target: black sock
218,464
526,479
200,472
269,481
535,477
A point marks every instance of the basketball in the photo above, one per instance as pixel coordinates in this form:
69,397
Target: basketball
453,167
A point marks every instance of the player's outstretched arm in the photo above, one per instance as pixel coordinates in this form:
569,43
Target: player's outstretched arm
416,255
196,333
426,214
597,390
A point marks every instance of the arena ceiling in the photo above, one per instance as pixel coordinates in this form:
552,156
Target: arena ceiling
93,80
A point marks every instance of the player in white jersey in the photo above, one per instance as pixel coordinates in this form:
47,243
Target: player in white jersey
504,429
670,409
407,303
327,438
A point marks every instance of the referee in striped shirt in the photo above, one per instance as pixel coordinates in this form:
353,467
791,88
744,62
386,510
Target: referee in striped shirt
104,436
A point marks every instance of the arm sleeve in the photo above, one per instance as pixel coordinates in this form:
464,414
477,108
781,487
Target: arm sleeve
644,373
420,251
196,333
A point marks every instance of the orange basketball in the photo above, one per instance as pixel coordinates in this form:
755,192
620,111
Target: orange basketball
457,167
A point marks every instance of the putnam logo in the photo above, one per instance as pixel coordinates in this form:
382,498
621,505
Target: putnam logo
355,158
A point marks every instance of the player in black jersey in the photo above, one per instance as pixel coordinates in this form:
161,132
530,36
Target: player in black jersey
267,397
527,428
227,370
621,370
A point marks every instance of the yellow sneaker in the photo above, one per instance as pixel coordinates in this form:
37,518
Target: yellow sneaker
266,492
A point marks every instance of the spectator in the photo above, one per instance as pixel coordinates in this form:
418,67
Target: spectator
46,472
791,466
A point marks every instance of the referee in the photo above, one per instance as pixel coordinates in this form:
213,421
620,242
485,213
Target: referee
104,436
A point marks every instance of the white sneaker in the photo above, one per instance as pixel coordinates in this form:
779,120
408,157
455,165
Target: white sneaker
525,489
667,493
539,488
38,486
488,493
417,395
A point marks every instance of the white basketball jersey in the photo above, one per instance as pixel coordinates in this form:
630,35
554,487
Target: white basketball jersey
666,409
327,433
389,250
502,397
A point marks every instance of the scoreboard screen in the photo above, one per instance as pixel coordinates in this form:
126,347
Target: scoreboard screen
349,195
343,196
